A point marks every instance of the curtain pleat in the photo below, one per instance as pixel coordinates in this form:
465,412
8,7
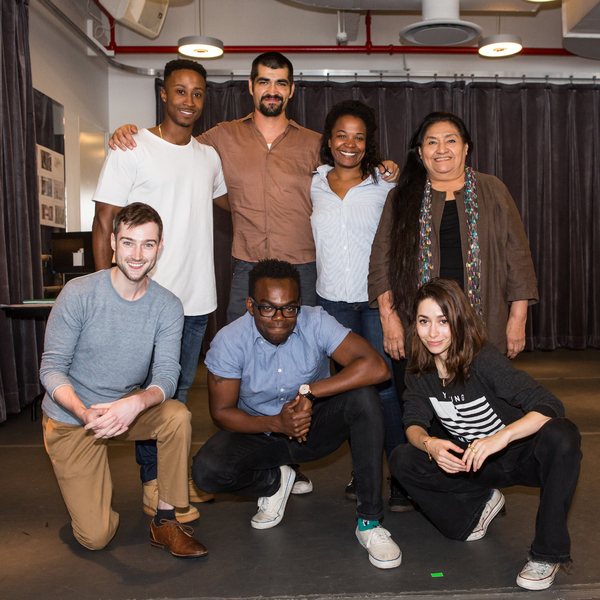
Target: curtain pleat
541,140
20,247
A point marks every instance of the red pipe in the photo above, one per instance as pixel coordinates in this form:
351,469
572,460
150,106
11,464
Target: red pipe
368,45
368,48
391,49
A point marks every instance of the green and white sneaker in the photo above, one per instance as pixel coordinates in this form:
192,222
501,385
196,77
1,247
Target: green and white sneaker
384,553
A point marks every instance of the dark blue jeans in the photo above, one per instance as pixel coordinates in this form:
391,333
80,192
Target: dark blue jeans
239,287
191,345
364,321
550,460
248,464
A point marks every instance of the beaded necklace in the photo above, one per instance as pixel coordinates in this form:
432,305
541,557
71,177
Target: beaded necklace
473,259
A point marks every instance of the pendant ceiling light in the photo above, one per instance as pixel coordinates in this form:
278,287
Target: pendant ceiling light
200,46
497,46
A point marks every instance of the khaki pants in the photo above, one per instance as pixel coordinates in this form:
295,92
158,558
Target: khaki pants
81,466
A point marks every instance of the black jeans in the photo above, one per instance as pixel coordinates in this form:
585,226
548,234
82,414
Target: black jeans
550,460
248,464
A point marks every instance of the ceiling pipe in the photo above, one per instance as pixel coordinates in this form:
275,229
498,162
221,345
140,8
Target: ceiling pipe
368,48
341,50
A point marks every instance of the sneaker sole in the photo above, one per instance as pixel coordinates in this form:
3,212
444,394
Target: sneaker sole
279,517
209,498
539,584
382,564
495,510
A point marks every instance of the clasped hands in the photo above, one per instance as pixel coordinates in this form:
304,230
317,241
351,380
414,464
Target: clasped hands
112,418
295,418
445,452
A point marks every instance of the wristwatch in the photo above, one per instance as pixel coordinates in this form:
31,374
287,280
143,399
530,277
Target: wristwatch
305,391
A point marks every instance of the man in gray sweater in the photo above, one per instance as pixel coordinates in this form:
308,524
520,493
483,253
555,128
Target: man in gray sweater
100,339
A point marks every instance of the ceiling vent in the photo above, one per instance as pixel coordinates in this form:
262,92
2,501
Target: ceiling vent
441,26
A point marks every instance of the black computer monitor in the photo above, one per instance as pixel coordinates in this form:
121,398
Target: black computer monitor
63,247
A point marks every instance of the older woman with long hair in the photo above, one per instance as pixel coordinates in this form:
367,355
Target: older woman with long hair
500,428
444,219
348,195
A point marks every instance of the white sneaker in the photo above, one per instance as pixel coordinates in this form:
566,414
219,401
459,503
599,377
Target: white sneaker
383,551
302,484
537,575
271,508
492,507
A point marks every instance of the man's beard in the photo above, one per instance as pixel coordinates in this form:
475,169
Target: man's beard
122,265
275,111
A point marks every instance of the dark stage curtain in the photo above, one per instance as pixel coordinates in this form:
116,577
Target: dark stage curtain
20,250
541,140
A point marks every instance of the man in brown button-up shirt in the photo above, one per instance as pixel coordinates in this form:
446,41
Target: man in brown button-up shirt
268,162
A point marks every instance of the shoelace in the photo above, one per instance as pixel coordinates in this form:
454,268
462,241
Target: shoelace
263,504
378,535
185,528
539,568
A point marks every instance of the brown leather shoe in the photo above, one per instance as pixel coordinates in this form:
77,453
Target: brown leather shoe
176,538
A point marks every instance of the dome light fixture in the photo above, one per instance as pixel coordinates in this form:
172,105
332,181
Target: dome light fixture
497,46
200,46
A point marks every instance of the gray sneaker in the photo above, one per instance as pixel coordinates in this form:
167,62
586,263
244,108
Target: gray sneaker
271,508
537,575
492,507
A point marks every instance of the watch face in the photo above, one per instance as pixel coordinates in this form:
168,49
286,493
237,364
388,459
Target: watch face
304,389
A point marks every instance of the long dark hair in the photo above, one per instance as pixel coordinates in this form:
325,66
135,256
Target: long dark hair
407,200
366,114
467,329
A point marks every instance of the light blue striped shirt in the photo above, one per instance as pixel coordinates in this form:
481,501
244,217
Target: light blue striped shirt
344,232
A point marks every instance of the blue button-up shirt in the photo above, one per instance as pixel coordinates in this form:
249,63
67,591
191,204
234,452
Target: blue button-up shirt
271,375
344,232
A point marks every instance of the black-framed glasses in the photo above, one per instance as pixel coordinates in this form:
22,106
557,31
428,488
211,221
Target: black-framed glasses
266,310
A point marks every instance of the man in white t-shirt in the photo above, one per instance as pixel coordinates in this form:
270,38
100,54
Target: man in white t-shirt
180,178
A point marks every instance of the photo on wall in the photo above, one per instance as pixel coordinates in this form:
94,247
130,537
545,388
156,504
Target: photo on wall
51,171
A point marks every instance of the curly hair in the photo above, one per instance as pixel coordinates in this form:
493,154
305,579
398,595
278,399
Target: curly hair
271,268
183,64
406,211
466,327
366,114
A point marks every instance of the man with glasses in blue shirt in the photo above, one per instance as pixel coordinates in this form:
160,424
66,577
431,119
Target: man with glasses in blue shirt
271,395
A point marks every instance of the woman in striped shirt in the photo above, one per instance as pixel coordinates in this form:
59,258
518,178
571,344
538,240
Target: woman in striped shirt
501,428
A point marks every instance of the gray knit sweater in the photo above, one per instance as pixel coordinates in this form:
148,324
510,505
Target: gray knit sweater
101,344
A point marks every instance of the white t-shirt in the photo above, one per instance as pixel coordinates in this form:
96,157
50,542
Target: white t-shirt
180,182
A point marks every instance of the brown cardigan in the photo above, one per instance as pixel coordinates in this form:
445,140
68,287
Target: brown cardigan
507,272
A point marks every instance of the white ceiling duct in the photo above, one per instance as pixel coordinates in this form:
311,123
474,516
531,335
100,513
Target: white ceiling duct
441,25
513,6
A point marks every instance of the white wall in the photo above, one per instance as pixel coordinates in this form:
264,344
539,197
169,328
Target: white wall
62,70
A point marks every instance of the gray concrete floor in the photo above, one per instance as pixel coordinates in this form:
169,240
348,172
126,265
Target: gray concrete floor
313,553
